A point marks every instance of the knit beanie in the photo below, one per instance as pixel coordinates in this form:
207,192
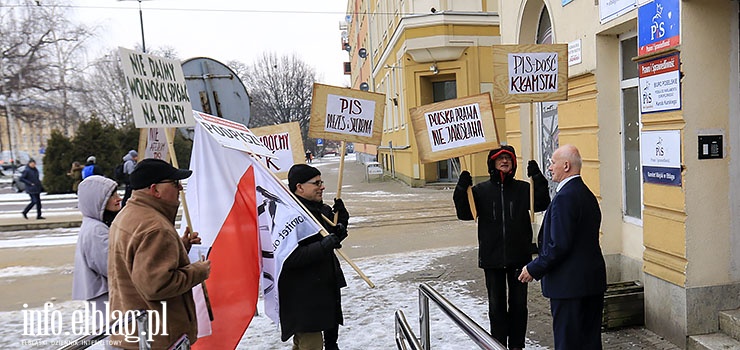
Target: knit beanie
299,174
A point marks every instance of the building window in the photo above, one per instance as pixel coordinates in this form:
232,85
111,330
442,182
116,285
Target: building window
446,90
631,174
547,122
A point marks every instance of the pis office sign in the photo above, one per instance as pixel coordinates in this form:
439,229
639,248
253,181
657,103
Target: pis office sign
659,26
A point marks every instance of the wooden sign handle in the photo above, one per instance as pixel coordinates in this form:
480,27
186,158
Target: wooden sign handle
471,199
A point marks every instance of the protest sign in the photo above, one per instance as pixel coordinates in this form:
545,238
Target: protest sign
454,128
232,134
156,85
530,73
346,115
284,140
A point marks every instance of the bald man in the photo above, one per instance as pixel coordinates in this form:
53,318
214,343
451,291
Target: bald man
570,263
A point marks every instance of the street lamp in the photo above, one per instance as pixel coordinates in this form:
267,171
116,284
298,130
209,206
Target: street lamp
141,21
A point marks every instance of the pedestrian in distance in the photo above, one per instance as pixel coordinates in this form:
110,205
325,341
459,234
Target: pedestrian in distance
99,202
309,156
91,168
311,280
129,163
75,172
30,177
570,262
505,238
148,264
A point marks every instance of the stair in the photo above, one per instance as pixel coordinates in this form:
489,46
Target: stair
728,336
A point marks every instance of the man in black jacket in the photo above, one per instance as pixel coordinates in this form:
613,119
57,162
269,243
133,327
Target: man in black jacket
504,237
310,282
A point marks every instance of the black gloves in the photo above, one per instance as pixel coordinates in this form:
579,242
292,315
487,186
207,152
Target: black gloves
465,180
340,231
533,169
331,242
341,210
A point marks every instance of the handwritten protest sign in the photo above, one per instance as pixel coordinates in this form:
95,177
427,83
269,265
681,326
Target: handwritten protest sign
284,140
530,73
156,85
156,144
232,134
346,115
454,128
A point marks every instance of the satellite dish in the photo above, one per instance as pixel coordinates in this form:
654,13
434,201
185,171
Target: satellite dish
362,53
215,89
364,86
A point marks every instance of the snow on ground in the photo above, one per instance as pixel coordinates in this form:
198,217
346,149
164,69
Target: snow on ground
368,313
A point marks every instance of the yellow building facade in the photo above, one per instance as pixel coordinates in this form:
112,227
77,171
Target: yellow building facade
681,241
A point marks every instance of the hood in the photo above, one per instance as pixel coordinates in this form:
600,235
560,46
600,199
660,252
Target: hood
93,194
127,157
496,175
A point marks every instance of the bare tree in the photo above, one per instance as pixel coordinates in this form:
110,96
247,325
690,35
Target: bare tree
40,54
280,89
106,94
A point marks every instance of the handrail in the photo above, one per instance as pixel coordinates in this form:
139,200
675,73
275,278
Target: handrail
470,327
404,335
104,331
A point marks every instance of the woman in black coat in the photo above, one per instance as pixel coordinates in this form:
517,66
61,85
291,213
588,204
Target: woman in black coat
30,177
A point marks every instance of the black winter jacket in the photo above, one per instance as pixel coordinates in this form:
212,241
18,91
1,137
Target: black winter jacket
504,227
310,300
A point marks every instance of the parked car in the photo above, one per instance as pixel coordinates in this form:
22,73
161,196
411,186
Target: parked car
18,157
17,184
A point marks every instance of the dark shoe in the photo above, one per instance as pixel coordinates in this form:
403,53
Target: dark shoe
40,218
25,216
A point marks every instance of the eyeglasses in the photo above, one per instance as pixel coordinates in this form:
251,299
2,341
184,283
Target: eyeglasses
318,183
175,183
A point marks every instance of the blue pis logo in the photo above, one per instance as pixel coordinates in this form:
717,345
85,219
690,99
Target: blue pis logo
659,150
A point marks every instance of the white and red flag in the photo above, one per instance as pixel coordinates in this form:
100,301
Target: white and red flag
246,219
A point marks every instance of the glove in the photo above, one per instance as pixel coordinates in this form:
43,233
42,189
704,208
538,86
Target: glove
533,169
341,209
341,231
330,242
465,180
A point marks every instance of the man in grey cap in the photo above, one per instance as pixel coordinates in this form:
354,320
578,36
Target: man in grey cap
129,162
148,264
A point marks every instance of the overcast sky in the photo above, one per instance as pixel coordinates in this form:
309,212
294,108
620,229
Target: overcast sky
225,30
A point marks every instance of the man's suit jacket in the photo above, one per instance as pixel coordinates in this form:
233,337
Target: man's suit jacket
570,263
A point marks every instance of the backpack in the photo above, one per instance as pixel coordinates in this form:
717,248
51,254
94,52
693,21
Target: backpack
119,175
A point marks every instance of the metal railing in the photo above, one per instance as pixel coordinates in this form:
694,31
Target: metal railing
474,331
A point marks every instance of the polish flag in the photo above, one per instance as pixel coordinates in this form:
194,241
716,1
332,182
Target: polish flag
221,200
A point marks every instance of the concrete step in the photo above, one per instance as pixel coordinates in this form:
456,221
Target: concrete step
729,323
714,341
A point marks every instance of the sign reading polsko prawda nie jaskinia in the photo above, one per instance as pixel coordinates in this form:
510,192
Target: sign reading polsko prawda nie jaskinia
156,85
454,128
530,73
343,114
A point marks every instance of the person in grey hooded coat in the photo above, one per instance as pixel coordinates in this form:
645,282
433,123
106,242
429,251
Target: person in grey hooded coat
99,202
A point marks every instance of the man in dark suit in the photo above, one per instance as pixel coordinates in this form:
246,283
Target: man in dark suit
570,263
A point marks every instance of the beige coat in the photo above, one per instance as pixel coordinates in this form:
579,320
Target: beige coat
148,264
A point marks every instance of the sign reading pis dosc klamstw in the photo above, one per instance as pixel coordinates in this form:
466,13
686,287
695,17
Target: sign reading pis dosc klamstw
660,84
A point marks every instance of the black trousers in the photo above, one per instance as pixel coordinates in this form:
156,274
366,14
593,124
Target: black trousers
576,323
330,338
508,315
35,200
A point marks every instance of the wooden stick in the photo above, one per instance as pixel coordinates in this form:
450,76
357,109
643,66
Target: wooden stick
339,181
471,199
531,157
323,231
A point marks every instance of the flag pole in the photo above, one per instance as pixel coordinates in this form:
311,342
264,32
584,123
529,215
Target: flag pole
531,157
339,181
323,230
